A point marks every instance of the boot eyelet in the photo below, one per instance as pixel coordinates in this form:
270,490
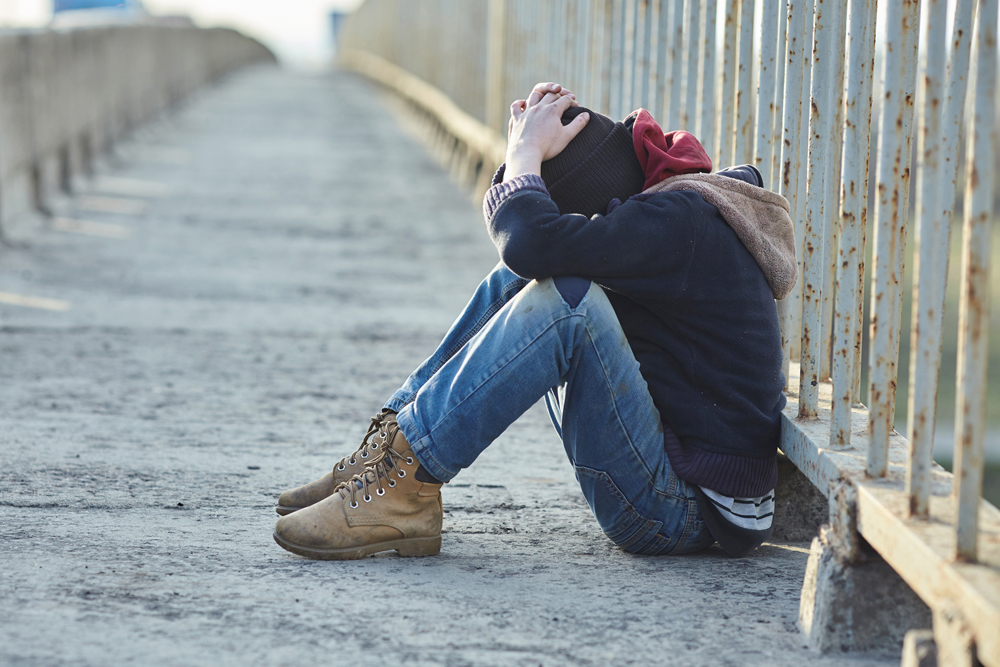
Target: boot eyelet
409,460
392,483
374,445
367,498
364,455
341,467
402,473
380,492
354,504
354,462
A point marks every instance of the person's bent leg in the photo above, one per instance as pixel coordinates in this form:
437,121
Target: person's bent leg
493,293
613,436
536,341
563,333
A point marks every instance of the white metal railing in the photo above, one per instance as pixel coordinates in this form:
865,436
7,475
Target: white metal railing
788,86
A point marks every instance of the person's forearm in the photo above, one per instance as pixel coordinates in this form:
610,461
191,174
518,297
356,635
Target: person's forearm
522,160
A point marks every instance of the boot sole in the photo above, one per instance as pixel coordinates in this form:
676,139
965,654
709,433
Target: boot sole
407,548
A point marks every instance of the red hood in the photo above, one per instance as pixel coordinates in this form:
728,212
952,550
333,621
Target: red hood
664,155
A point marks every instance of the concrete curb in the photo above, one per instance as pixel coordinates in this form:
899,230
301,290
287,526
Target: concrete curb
67,95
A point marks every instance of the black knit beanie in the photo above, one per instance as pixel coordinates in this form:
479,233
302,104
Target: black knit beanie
598,165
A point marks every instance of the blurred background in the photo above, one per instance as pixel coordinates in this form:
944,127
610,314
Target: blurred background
298,32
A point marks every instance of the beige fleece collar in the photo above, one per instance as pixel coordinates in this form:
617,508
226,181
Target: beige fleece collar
759,218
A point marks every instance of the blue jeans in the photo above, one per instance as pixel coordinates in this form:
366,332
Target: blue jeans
517,341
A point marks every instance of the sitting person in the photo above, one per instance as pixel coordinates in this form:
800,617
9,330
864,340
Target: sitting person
635,293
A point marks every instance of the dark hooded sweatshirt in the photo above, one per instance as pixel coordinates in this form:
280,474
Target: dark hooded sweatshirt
695,306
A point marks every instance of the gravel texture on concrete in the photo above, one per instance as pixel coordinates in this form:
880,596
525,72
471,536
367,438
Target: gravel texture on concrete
260,270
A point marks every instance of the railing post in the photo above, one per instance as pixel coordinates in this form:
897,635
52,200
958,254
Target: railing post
744,86
974,306
824,135
930,255
601,60
788,181
644,29
764,137
496,35
675,118
777,133
727,139
629,16
709,128
853,216
694,83
833,181
891,185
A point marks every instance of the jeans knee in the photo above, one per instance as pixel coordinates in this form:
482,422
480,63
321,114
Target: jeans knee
572,289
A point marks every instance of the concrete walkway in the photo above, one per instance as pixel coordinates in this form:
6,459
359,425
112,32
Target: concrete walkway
246,284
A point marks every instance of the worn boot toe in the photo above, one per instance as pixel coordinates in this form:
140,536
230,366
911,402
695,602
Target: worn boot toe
384,508
295,499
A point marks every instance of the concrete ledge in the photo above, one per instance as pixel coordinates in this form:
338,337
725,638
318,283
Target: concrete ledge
68,94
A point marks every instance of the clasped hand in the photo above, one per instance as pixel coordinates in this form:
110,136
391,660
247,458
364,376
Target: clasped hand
536,133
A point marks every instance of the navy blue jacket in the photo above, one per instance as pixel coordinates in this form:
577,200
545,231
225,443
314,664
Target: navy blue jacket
697,312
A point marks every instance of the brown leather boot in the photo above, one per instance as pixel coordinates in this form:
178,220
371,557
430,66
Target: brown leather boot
385,507
346,468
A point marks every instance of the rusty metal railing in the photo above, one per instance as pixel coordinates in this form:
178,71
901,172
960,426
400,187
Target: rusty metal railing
788,85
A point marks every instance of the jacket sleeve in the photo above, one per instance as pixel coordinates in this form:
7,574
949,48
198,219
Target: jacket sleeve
651,238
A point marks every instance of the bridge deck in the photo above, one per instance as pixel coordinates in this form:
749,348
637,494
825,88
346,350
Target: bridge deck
227,304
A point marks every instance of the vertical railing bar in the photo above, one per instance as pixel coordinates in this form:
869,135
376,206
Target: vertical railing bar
601,60
853,212
899,260
832,197
795,310
581,41
932,227
798,53
764,136
548,66
533,36
789,152
974,304
892,180
744,86
626,28
495,65
958,80
560,58
677,32
645,98
730,61
573,39
779,95
709,128
664,63
822,127
640,68
935,198
693,85
617,55
628,56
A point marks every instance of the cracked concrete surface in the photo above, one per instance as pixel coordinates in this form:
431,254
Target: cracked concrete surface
291,255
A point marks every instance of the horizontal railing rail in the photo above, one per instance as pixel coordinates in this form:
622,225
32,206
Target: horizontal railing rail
788,85
67,94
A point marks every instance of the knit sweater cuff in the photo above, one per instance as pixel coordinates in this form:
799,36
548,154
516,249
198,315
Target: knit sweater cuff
500,190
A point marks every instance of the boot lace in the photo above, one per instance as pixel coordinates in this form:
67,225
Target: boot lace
368,443
387,466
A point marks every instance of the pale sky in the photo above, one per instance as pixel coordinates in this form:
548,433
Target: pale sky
297,30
